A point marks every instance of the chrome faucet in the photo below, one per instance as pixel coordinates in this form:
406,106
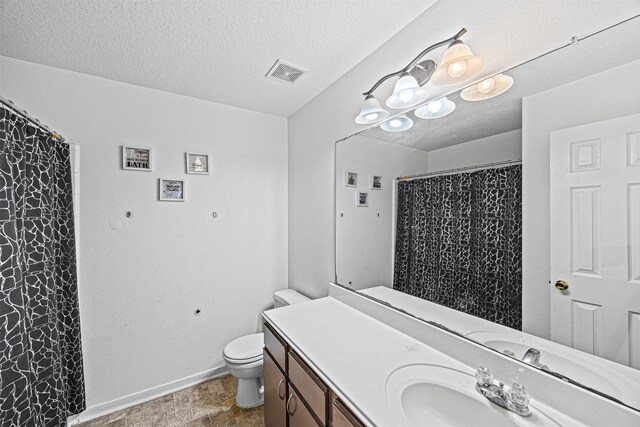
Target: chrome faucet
532,357
515,398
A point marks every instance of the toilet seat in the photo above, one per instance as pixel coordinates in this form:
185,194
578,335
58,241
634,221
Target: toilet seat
244,350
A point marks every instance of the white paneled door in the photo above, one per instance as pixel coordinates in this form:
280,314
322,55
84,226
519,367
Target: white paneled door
595,238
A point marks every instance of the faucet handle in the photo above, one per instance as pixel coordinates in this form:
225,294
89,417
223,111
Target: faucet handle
484,377
519,395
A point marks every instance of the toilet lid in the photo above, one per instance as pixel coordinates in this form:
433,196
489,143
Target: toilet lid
245,349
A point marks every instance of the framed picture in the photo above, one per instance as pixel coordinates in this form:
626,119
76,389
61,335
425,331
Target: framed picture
136,158
197,163
350,179
376,182
363,200
171,190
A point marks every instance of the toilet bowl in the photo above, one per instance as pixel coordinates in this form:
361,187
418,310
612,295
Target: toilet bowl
243,357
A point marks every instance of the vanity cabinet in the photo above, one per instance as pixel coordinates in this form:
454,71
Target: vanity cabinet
313,390
341,415
298,413
275,393
294,395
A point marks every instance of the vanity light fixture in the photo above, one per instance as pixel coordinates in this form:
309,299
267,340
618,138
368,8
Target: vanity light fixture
487,88
436,109
408,91
371,111
458,65
397,124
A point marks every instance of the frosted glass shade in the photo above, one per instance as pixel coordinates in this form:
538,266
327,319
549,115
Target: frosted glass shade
436,109
487,88
406,93
397,124
458,65
371,111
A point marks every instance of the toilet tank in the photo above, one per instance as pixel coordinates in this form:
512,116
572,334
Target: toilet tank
287,297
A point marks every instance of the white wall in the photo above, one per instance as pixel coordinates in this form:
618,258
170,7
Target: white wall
364,236
141,279
495,148
606,95
313,130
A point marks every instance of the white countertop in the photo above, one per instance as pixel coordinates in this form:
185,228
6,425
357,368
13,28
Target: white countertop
347,340
612,378
353,353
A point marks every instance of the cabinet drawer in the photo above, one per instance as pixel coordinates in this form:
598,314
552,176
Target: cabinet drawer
342,416
276,347
299,415
311,388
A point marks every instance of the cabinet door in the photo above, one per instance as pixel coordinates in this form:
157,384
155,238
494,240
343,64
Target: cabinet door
299,415
342,416
275,392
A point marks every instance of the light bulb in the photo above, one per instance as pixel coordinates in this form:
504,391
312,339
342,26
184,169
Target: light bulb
370,111
487,85
487,88
397,124
456,69
434,106
435,109
406,95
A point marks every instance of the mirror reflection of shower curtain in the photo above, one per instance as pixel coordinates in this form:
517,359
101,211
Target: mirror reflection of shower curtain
459,242
41,368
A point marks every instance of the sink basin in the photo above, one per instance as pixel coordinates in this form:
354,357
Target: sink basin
439,396
589,371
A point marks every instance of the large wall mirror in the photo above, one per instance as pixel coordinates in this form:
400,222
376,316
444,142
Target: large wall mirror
522,210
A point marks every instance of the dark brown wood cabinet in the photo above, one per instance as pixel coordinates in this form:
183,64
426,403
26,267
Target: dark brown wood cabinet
298,413
294,395
341,416
275,393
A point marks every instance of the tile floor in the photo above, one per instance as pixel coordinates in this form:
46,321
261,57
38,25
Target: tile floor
209,404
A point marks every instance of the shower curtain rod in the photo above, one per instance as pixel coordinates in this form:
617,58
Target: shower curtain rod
35,122
466,168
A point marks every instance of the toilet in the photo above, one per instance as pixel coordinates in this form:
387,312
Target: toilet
243,357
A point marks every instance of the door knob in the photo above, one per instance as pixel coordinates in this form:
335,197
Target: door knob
561,285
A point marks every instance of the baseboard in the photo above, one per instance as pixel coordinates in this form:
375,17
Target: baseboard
145,395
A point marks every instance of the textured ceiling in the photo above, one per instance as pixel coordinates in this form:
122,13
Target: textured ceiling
214,50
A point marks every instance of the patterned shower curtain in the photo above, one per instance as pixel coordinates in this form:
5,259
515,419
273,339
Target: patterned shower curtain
41,371
459,242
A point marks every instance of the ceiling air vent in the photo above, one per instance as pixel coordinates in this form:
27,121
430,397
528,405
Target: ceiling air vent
284,72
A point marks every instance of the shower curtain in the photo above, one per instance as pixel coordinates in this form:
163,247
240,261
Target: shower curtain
41,371
459,242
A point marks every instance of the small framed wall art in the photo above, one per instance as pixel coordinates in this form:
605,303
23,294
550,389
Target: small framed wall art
197,163
376,182
350,179
363,200
171,190
136,158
